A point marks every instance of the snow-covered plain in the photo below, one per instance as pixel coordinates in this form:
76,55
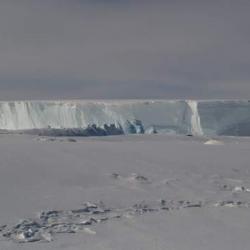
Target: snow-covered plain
195,194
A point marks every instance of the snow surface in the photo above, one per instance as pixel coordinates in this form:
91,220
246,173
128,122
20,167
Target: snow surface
132,116
153,191
206,189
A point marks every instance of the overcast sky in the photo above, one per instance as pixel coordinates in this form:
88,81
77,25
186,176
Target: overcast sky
124,49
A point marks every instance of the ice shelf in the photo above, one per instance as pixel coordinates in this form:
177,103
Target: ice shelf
214,117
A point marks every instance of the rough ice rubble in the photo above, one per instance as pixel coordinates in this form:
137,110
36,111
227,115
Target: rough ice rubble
49,223
85,219
128,116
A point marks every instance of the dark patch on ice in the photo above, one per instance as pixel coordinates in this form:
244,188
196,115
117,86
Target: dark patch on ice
54,139
134,177
139,178
229,186
142,208
2,227
115,175
90,130
233,204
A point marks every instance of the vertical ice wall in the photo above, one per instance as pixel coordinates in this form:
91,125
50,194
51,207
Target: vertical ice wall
164,116
196,128
228,117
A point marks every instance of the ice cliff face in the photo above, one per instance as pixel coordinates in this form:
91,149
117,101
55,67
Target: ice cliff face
137,116
225,118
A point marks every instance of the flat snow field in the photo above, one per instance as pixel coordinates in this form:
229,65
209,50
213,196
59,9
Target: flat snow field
162,192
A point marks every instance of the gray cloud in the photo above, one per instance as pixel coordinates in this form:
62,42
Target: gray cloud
124,49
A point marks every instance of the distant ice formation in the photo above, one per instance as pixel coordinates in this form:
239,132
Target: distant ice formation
128,117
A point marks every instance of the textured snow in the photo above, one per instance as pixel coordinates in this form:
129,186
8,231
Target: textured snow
159,192
132,116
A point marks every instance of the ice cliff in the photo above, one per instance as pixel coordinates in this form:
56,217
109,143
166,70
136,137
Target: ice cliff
129,116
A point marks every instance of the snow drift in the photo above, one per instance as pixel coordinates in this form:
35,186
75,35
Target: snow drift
128,116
